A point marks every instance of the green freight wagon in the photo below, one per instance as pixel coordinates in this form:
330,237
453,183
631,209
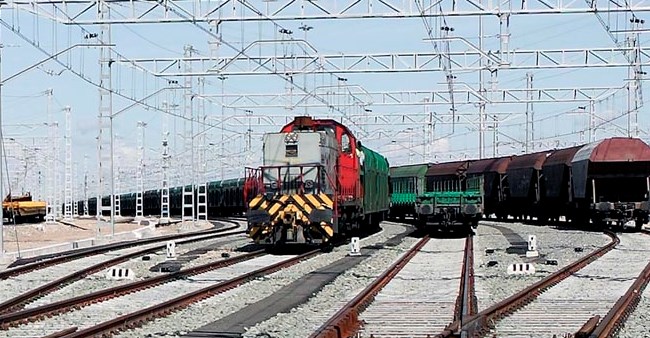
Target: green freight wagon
451,201
407,182
374,178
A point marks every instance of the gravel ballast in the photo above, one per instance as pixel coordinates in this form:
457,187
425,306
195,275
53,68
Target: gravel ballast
593,290
494,284
141,268
307,318
214,308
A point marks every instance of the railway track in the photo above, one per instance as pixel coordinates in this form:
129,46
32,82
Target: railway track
346,321
141,312
402,301
44,261
101,307
197,274
423,297
578,287
20,291
568,305
142,300
258,308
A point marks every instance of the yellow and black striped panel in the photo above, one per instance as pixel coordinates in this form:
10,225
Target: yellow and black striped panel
304,203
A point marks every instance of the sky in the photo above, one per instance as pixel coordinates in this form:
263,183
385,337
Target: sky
29,73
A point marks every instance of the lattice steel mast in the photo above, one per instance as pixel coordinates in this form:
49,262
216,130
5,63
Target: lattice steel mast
105,137
139,211
68,164
188,138
165,164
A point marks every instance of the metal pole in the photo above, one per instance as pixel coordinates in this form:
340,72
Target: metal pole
529,108
112,179
2,249
592,122
223,107
481,127
495,128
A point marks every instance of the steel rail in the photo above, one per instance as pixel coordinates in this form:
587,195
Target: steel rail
480,323
61,333
618,314
56,308
345,322
466,303
85,252
160,310
17,303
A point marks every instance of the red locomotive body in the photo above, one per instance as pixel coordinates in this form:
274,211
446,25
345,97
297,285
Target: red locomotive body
310,187
347,168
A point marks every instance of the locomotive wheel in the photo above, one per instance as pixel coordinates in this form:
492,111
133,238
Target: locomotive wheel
327,247
638,224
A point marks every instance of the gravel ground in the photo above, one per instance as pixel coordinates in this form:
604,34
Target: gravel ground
591,291
638,324
38,235
331,298
217,307
420,300
17,285
493,284
142,268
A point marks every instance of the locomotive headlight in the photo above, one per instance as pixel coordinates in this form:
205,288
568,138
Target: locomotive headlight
309,184
274,185
291,137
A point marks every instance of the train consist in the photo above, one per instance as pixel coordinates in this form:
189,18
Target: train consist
224,198
607,182
439,196
317,182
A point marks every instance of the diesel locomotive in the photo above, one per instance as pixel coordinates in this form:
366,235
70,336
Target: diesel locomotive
317,182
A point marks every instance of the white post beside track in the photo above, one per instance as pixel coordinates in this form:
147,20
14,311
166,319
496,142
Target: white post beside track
171,250
532,246
354,247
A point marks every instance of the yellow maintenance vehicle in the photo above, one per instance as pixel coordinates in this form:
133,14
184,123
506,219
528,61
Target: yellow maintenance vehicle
21,209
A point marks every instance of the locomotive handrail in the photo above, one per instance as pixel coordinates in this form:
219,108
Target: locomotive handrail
300,188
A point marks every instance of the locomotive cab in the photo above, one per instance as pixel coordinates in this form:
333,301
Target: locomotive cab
317,181
295,202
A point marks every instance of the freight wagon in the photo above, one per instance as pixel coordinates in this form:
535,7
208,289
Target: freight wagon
450,201
606,182
407,182
224,198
